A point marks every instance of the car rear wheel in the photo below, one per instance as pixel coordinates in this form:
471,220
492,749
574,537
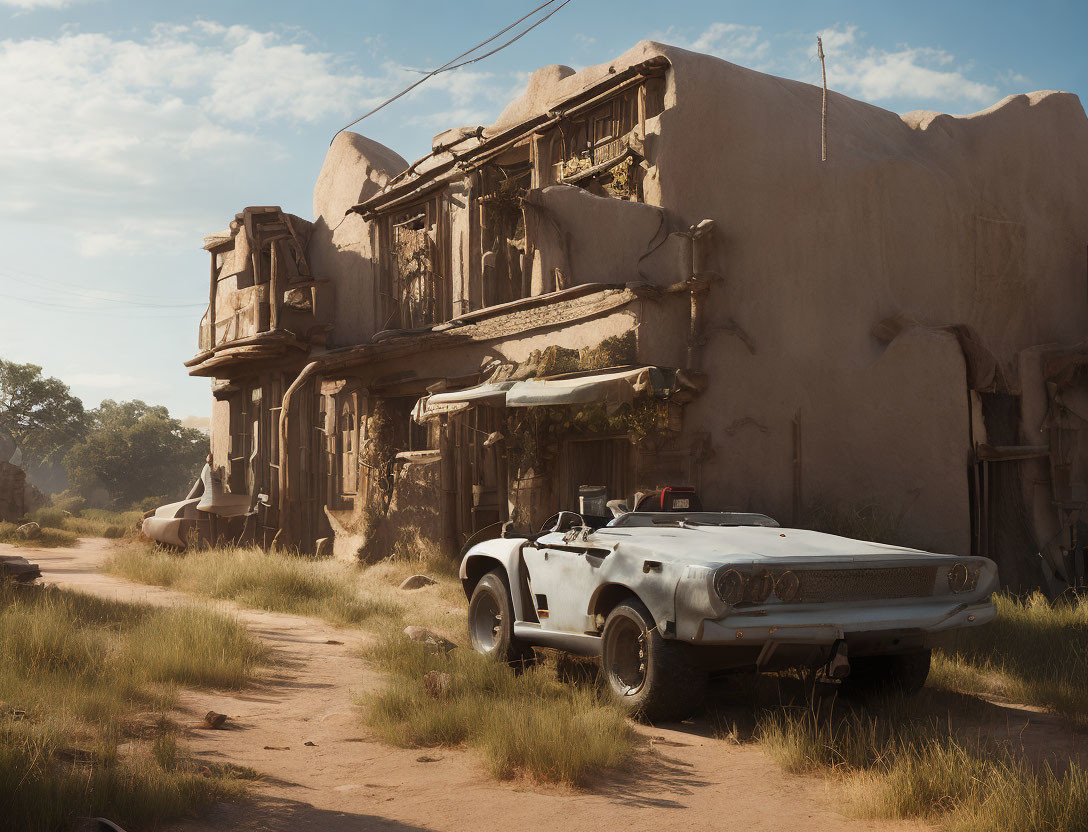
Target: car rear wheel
647,674
491,621
899,673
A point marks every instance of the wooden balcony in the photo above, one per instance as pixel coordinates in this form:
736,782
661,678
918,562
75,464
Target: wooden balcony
263,302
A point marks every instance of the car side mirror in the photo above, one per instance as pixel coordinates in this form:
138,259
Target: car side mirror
618,507
567,520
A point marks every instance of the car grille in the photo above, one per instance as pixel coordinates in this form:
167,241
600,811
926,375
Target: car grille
820,585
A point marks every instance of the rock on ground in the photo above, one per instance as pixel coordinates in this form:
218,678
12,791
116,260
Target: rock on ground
417,582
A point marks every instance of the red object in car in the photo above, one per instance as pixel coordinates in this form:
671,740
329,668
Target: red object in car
670,498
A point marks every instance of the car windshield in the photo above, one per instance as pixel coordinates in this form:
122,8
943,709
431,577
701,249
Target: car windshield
694,518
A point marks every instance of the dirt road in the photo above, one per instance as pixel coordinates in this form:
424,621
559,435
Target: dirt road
323,772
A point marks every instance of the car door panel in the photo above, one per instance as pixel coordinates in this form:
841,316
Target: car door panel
564,576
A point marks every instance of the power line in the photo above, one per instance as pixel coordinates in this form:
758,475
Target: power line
129,311
27,279
452,63
516,37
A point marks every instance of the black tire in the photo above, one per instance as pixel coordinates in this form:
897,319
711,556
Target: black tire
491,621
875,676
647,674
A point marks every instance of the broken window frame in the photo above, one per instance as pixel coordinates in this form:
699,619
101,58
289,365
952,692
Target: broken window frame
500,188
433,296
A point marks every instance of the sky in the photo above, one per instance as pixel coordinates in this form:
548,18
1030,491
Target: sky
129,130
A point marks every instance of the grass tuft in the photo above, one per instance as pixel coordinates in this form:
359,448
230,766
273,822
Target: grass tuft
1034,652
271,581
47,539
90,522
900,760
78,677
523,724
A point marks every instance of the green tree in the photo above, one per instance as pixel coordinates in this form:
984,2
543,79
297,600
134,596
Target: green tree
41,414
134,450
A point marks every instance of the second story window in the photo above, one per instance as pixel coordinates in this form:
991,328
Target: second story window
414,287
502,230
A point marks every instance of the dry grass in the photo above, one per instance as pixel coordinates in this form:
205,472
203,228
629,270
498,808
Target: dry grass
1035,653
47,539
82,677
526,724
529,724
300,585
929,757
90,522
902,760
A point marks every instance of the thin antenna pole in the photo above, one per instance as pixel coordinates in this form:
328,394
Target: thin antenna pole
823,112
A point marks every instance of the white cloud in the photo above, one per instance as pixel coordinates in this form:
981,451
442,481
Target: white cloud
93,122
107,126
29,5
916,73
921,75
732,42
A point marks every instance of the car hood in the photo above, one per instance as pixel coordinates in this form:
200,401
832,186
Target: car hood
743,544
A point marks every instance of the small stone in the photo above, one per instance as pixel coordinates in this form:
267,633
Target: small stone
310,743
417,582
437,683
29,531
277,748
430,638
214,720
426,759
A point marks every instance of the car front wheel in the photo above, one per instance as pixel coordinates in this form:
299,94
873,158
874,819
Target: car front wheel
647,674
491,621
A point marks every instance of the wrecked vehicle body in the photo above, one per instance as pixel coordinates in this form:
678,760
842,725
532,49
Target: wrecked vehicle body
665,597
208,513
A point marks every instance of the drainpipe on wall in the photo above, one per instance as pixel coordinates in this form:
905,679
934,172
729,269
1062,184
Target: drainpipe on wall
692,264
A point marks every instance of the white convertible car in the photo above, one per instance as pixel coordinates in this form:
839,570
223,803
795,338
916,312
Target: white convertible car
668,595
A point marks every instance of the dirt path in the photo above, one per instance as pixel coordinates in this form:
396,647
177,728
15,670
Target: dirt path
346,781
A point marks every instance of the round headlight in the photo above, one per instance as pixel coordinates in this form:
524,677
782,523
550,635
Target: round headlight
760,586
958,577
729,584
787,587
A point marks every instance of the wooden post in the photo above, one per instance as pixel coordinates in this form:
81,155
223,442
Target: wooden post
642,112
274,290
447,482
501,470
823,111
211,300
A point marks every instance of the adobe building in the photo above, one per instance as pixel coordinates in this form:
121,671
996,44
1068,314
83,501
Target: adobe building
643,274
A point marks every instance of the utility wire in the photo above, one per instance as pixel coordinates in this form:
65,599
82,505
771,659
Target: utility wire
499,48
37,281
128,311
452,63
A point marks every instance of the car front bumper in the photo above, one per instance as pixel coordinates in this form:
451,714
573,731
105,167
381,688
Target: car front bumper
856,623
